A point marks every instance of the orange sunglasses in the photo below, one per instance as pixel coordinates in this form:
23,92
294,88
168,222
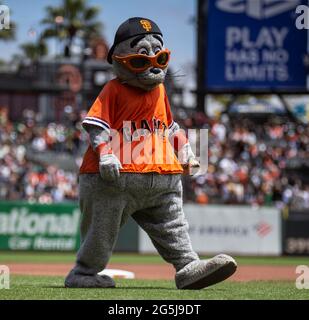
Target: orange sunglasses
141,62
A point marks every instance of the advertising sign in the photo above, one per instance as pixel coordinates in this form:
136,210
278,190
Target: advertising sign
51,227
296,234
39,227
255,45
230,229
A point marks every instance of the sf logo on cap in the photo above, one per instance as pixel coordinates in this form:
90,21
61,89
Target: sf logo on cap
146,25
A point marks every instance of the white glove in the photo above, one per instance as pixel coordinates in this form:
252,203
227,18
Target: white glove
185,154
109,166
187,159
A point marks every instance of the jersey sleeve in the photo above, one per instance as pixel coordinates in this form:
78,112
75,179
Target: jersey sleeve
173,127
169,114
100,112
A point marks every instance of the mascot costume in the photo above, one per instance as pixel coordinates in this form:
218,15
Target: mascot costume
112,188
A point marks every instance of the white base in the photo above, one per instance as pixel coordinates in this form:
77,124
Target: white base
117,274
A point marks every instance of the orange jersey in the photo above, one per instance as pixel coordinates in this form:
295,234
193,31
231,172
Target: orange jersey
127,110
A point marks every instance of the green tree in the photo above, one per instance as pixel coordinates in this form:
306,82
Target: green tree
72,19
33,51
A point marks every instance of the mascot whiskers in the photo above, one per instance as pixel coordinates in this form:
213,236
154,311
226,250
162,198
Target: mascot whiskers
115,182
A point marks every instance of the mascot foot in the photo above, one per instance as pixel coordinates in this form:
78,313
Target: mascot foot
204,273
74,280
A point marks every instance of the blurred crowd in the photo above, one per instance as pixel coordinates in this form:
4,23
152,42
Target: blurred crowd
24,178
248,162
252,163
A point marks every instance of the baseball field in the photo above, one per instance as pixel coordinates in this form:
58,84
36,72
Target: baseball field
41,275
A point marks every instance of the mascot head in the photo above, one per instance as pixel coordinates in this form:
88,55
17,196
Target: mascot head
138,54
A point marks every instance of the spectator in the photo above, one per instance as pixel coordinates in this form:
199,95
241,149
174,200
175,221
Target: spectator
247,161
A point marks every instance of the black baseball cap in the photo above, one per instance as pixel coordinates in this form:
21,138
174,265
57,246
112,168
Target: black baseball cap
130,28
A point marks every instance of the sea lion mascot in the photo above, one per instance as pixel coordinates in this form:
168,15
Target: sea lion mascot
133,167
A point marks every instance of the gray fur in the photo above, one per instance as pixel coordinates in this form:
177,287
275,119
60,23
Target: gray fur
218,267
77,280
153,200
146,80
109,164
97,136
173,129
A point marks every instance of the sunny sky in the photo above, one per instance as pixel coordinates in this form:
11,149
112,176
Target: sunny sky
172,16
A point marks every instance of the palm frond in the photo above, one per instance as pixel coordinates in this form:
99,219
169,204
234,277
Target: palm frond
91,13
77,15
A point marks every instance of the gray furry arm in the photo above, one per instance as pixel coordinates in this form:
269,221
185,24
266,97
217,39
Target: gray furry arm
97,136
173,129
184,151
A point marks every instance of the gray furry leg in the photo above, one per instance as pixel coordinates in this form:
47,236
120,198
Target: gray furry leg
102,207
167,227
165,223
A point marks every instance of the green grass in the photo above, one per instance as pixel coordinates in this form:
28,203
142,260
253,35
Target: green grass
43,287
42,257
46,287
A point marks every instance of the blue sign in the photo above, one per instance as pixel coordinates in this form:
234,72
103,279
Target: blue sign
255,45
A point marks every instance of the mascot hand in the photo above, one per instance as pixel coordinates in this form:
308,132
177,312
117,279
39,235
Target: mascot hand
188,160
109,167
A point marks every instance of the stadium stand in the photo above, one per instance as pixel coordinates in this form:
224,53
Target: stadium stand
249,163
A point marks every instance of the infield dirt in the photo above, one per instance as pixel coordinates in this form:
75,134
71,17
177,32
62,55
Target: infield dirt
158,271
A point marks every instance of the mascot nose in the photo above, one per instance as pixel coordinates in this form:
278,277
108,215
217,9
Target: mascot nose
155,70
